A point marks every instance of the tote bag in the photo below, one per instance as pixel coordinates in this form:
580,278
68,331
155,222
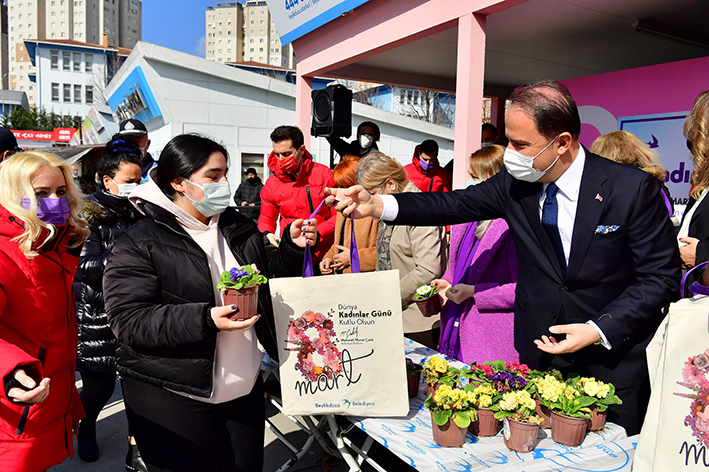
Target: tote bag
341,342
675,435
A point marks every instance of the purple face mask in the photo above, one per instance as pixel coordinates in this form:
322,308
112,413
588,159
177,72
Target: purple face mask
425,166
53,211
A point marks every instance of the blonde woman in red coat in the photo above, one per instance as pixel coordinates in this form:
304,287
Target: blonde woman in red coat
40,242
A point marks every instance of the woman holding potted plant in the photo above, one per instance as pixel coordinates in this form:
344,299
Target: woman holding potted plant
418,252
189,367
40,241
478,289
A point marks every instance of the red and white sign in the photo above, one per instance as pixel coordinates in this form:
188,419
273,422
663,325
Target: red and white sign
59,134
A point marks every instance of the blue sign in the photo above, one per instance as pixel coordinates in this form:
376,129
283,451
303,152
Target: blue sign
296,18
134,99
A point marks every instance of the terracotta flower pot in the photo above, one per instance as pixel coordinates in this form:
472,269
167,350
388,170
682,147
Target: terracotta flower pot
431,389
246,299
543,412
567,430
486,424
413,381
518,436
448,435
598,420
430,306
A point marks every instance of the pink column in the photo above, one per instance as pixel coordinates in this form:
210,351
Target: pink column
303,88
469,92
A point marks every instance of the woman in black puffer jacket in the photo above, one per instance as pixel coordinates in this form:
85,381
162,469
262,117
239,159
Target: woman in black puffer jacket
109,213
190,374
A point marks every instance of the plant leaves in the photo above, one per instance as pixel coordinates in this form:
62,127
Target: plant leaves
441,417
461,419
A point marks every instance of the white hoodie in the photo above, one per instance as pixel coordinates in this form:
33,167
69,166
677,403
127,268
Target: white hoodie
238,355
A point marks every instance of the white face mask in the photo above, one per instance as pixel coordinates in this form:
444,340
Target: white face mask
124,189
484,145
216,198
521,167
365,141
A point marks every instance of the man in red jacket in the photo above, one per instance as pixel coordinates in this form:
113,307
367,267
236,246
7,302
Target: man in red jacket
295,189
424,170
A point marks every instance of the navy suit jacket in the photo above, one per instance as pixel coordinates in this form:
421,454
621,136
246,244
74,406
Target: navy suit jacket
621,279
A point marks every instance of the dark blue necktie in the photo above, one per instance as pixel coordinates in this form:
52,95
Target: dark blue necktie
550,216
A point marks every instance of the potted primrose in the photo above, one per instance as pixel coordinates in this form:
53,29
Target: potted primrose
427,299
452,411
239,286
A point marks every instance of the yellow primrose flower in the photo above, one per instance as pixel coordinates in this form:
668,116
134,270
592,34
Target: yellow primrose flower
603,391
484,401
569,393
591,388
509,401
484,390
526,400
550,388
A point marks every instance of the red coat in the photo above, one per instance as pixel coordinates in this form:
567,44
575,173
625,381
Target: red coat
432,180
38,332
285,200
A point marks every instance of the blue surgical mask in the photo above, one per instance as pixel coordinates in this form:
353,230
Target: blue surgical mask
471,183
216,198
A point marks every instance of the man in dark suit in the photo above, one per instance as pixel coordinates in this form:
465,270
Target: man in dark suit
597,256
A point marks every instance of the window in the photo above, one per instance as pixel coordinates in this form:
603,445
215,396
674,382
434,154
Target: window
67,93
77,93
88,63
260,40
89,94
54,58
77,62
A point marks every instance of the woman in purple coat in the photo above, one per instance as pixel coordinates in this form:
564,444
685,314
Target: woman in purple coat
478,289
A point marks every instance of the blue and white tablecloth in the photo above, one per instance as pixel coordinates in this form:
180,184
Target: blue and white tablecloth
411,439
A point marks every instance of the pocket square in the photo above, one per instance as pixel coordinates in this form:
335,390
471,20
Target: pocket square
605,229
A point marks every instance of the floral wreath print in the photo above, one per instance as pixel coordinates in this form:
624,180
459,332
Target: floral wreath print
323,344
694,374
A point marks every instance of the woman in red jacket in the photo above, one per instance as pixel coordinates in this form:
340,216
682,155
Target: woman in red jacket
40,242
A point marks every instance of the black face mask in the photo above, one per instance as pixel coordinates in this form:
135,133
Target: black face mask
251,179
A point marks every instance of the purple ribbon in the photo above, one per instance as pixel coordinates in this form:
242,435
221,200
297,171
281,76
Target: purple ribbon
354,255
449,343
667,202
696,287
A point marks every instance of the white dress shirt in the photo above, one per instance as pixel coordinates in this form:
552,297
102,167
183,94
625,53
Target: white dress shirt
567,198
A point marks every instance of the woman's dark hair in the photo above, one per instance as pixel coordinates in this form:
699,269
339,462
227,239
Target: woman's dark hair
118,151
181,157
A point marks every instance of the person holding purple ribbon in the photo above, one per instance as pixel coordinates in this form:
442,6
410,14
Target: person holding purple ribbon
478,289
40,240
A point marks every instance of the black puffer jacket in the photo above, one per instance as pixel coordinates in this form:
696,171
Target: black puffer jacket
249,192
108,216
159,294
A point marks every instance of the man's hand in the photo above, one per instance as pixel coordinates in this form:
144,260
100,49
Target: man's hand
304,232
460,292
243,204
688,253
341,260
272,239
578,336
222,318
326,266
354,200
37,394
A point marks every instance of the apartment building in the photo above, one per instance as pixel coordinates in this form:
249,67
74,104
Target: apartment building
224,32
244,33
106,22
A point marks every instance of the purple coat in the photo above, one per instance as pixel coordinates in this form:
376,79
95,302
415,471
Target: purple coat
487,326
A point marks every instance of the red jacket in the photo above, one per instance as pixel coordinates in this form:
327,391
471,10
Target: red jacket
284,199
38,332
432,180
